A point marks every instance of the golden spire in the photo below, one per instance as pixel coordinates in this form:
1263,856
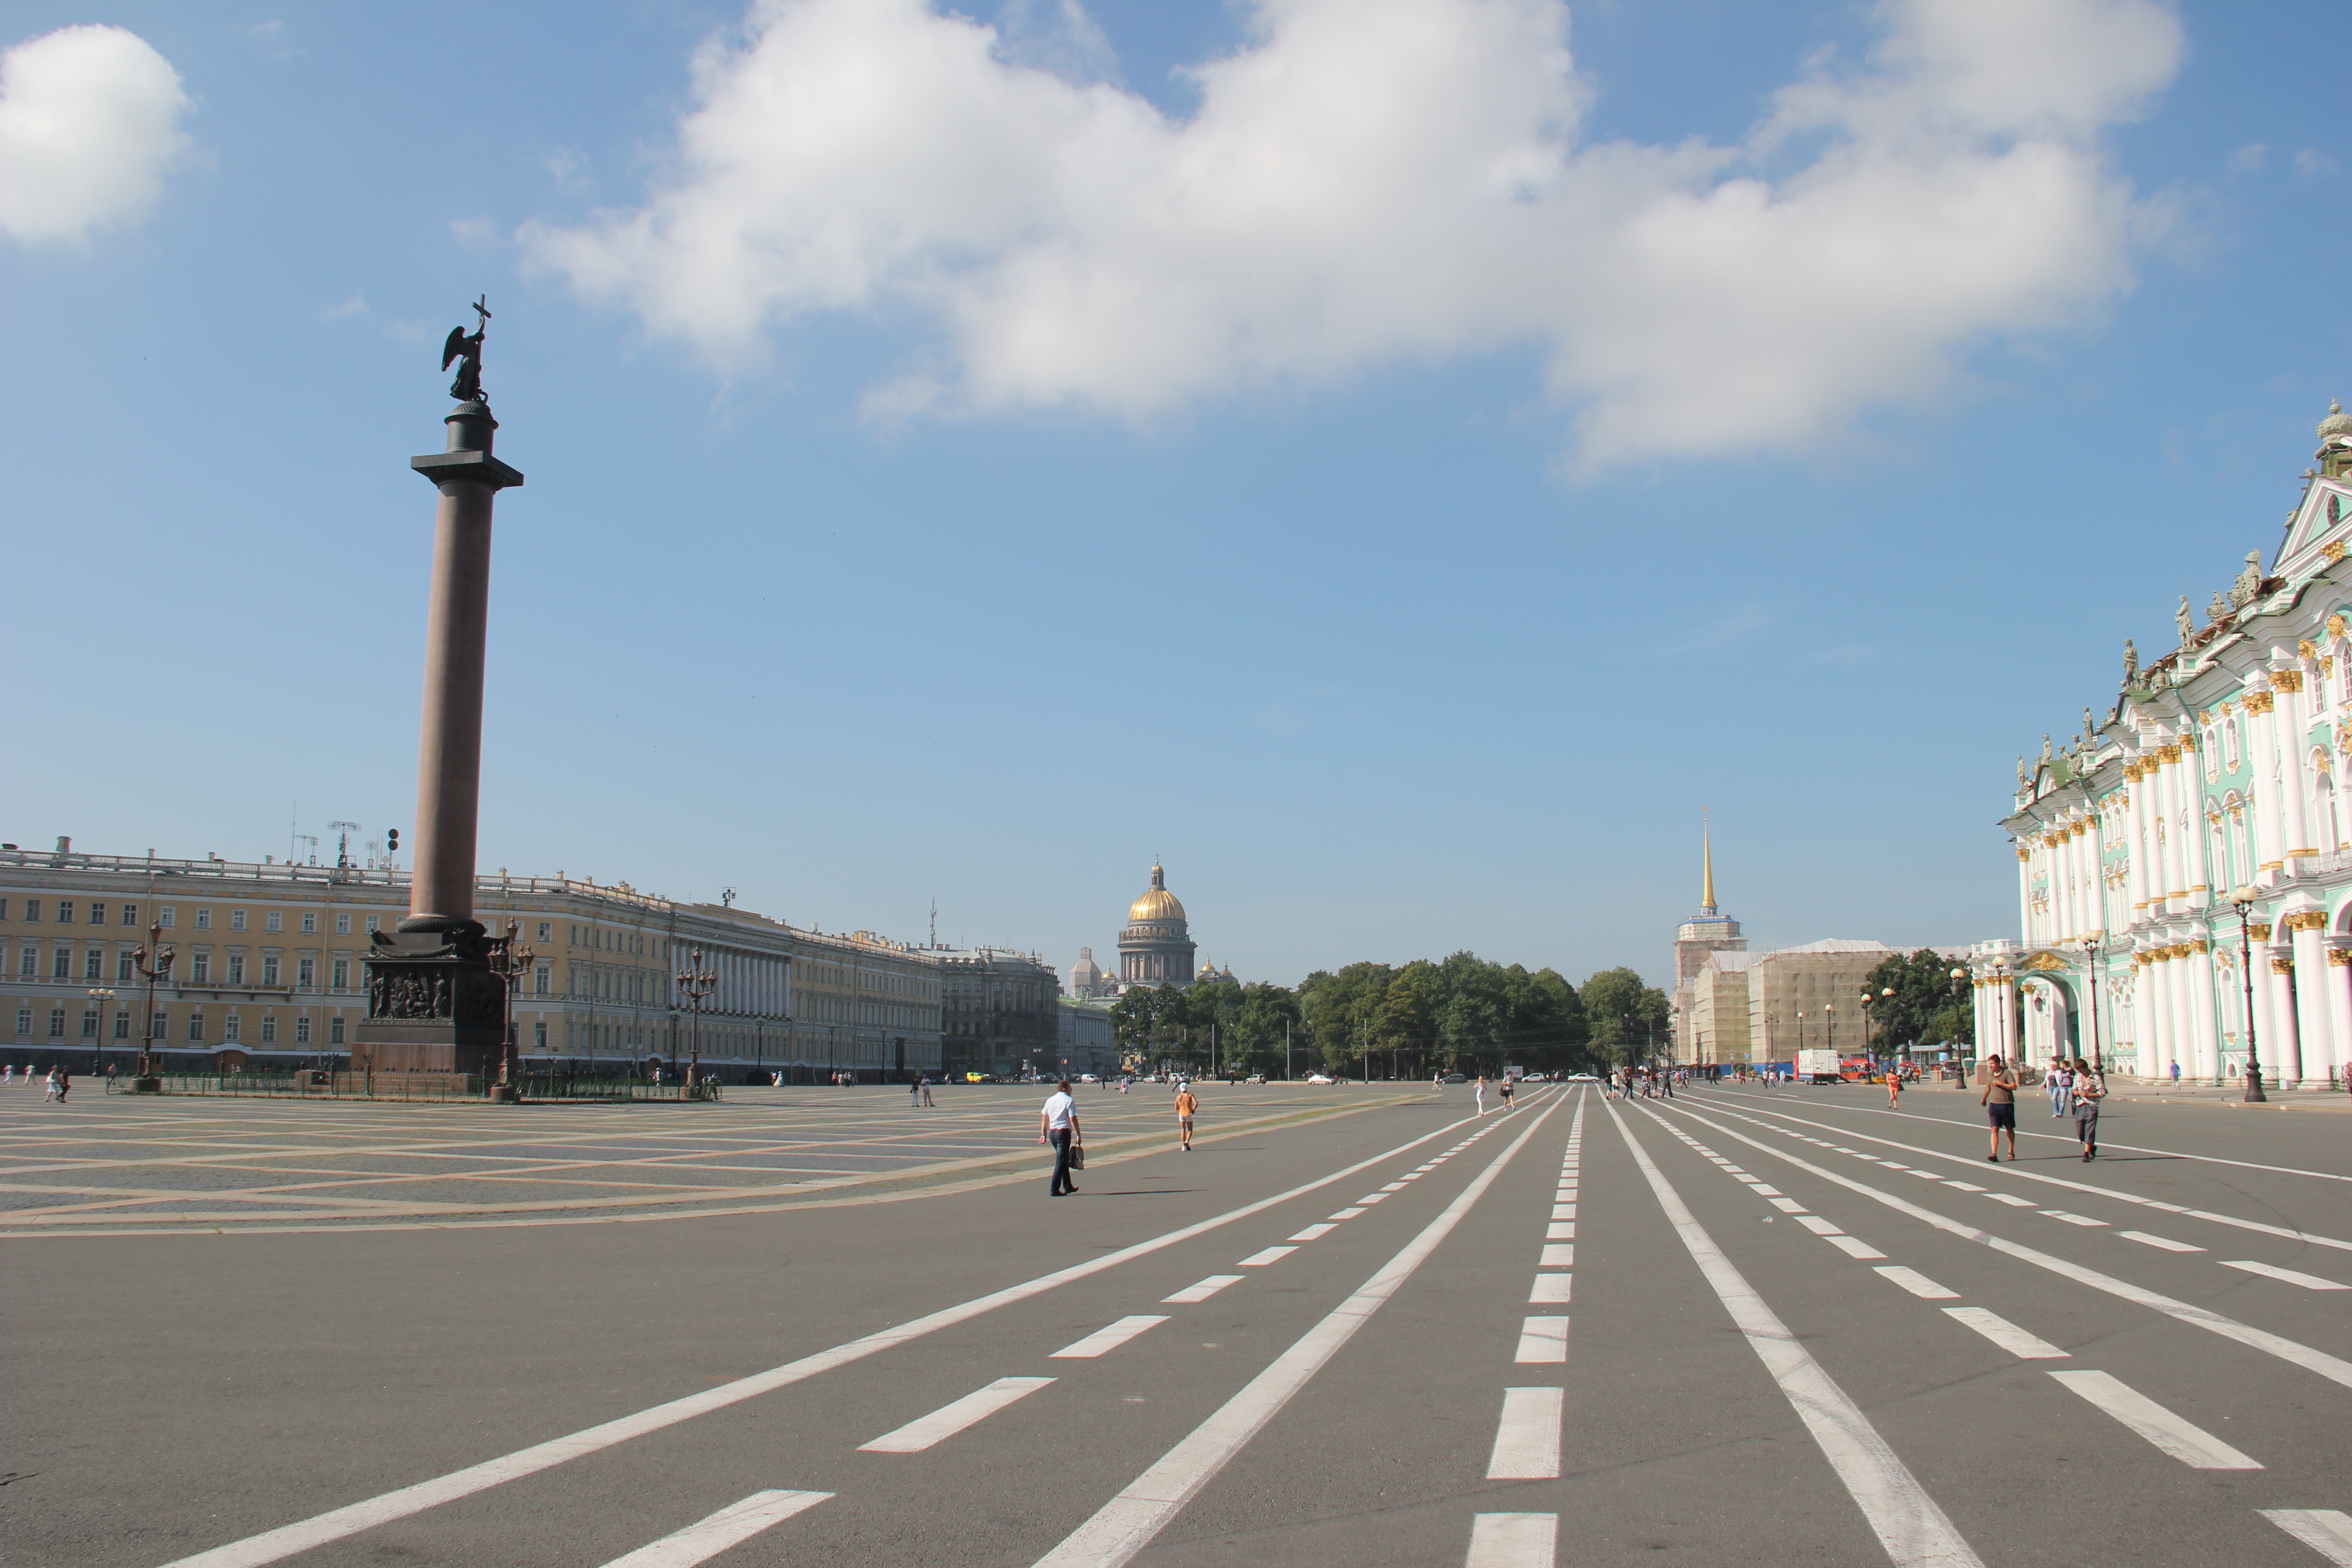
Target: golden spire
1707,859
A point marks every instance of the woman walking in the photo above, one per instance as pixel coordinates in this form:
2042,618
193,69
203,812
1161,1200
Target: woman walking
1481,1095
1893,1086
1999,1100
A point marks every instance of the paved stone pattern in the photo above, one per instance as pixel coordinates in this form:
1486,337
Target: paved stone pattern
1732,1326
108,1162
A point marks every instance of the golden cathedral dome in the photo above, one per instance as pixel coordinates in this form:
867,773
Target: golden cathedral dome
1158,904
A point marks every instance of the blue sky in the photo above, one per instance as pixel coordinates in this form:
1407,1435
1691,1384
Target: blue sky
1784,409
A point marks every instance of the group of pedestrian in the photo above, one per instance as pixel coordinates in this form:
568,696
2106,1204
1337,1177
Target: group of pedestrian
56,1085
2075,1089
918,1093
1057,1124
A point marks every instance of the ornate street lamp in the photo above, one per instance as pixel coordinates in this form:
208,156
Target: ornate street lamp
510,960
1959,995
2242,898
161,969
2091,952
99,996
694,984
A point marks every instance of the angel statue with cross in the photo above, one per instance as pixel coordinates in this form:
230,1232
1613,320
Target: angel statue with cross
466,352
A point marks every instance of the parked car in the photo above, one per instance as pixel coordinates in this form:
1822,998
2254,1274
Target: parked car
1088,1078
1454,1078
1582,1077
1311,1078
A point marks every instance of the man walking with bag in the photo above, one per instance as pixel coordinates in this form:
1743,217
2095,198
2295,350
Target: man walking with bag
1057,1124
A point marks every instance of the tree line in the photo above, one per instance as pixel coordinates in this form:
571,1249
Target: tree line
1922,1010
1461,1014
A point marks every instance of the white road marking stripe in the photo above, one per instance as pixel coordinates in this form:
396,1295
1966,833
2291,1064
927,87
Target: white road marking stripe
1964,1186
1855,1248
2279,1230
2270,1271
952,1418
1394,1187
2070,1218
1550,1290
1918,1284
335,1525
1527,1439
1513,1541
1313,1231
707,1538
2164,1242
1558,1255
2326,1530
1127,1523
2011,1199
1542,1341
1818,1226
2184,1441
2333,1368
2006,1334
1368,1199
1914,1532
1346,1214
1788,1205
1271,1254
1561,1230
1764,1192
1563,1211
1203,1291
1105,1340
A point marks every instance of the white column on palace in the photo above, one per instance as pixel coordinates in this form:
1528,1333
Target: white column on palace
2294,784
2168,863
2138,835
2339,1000
2257,973
2315,1001
2204,1021
2262,762
2273,981
2147,1006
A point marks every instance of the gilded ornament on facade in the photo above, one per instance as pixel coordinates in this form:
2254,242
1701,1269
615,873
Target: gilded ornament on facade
2333,550
2259,701
2287,680
2336,626
2307,648
2260,930
2341,957
2306,920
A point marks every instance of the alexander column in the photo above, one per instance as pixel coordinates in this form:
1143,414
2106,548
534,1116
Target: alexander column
437,1002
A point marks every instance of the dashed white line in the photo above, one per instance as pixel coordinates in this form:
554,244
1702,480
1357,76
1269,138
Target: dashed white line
1853,1247
706,1537
2006,1334
2070,1218
1346,1213
2164,1242
2184,1440
2011,1199
1203,1291
1271,1254
1542,1341
2326,1530
1550,1290
948,1419
1105,1340
1513,1541
1314,1231
2271,1271
1918,1284
1526,1438
1558,1255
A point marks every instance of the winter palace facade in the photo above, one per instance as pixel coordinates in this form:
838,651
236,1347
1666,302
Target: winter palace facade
2213,773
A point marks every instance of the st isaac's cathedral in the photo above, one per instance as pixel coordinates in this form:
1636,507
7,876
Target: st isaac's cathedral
1155,949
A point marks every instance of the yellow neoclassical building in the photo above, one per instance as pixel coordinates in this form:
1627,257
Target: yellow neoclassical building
269,969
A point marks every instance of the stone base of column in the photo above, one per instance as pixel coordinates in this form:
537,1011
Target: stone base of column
434,1004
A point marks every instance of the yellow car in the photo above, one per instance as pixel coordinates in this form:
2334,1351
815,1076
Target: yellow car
973,1077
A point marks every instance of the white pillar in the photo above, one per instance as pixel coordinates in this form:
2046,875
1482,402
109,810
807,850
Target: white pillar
2275,977
2148,1012
2140,836
2313,999
2262,764
2266,1038
2339,996
2295,786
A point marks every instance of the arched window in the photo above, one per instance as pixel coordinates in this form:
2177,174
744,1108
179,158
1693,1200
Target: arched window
2230,741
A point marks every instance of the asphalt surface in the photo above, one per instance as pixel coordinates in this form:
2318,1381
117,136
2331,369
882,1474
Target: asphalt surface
1790,1327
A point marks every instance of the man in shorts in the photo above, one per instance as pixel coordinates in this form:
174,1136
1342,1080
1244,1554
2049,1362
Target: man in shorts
1507,1086
1999,1100
1185,1106
2090,1088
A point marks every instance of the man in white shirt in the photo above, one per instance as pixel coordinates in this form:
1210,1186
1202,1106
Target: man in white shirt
1059,1125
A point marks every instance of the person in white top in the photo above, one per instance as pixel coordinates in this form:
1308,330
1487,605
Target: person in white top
1057,1124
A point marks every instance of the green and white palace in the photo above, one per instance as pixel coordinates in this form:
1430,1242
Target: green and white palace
2211,784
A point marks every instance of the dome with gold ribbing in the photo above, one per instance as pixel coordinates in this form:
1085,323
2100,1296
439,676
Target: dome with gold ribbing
1157,904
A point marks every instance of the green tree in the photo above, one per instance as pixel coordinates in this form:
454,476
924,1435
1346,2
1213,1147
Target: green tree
1260,1028
1342,1010
1626,1018
1922,1010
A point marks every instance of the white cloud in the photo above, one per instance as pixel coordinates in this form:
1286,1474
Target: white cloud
2248,159
89,124
2312,163
1373,181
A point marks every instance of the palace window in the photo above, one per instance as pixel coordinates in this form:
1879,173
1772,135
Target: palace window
93,965
64,912
2230,742
121,966
236,919
167,918
90,1023
268,1030
544,927
203,920
302,1031
335,1030
130,914
97,913
236,969
57,1023
343,925
122,1026
375,922
28,963
309,922
62,968
306,972
201,968
232,1027
268,971
157,1028
273,920
24,1021
343,974
196,1028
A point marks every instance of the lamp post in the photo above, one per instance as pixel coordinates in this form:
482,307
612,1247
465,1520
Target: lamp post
1829,1013
694,984
2098,1060
512,961
160,968
99,996
2242,898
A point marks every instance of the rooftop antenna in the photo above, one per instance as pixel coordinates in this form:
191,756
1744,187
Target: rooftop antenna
343,842
935,922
